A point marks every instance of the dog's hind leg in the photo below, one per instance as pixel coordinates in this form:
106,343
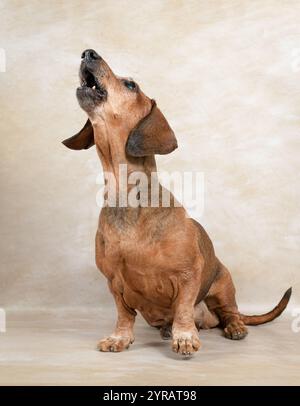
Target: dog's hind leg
204,318
166,332
221,301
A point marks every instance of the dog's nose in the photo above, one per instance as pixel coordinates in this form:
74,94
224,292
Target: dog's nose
90,55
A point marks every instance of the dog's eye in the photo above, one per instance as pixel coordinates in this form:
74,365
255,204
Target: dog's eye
130,84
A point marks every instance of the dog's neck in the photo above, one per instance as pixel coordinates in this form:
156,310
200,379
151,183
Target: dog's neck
125,171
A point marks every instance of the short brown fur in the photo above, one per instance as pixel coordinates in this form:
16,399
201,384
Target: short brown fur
156,260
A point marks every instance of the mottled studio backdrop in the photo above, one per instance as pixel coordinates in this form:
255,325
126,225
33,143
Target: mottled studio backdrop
227,76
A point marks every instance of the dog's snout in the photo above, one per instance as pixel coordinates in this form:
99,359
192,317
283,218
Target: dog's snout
90,55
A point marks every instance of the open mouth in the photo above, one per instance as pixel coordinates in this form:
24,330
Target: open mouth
89,81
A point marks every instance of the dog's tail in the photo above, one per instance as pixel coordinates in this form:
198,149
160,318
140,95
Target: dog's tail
265,318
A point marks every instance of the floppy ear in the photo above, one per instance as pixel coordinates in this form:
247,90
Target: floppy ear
82,140
152,135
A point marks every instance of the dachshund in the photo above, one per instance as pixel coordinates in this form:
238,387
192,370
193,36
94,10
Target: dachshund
157,260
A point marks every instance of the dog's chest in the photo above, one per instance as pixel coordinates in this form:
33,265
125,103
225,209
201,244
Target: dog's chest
146,256
144,269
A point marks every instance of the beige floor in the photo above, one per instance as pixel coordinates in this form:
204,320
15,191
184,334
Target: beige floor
56,348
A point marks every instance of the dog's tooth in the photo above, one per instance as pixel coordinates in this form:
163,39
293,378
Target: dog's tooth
94,87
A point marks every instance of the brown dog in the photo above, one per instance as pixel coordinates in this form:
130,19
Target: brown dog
156,259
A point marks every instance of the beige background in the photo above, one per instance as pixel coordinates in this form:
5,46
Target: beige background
225,73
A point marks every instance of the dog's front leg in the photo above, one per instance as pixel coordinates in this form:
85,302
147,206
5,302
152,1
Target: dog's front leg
122,336
184,332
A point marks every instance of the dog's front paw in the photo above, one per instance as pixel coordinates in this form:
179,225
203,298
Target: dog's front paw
114,344
186,343
235,330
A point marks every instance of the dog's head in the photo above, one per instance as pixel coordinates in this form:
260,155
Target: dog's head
116,106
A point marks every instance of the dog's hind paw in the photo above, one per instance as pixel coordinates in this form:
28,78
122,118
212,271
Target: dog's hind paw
166,332
235,330
114,344
186,343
